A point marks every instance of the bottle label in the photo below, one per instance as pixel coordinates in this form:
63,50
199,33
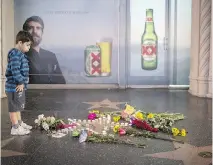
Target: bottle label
149,19
149,50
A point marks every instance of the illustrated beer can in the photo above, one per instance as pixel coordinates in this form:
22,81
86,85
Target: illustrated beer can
93,60
106,51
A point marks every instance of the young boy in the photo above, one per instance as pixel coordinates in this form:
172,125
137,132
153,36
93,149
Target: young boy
17,75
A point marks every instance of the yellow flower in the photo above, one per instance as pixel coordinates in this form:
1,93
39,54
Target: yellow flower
101,115
129,109
150,116
116,118
139,115
95,111
116,128
175,131
183,132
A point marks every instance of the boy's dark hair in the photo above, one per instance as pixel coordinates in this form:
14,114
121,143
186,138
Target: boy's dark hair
34,19
24,36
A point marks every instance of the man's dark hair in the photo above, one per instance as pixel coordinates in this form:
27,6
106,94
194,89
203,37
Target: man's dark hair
34,19
24,36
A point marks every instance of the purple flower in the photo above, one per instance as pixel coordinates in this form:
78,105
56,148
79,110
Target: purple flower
131,120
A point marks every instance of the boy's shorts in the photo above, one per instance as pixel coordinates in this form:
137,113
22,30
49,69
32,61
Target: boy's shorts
16,101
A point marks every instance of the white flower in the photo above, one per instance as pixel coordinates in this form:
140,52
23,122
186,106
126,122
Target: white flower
171,123
156,126
40,117
48,119
111,135
36,121
152,120
52,120
45,126
70,121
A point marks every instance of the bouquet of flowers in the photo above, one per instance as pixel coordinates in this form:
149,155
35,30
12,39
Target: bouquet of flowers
49,123
153,122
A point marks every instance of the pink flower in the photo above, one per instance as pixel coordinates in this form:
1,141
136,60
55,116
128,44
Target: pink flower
121,131
63,126
124,115
92,116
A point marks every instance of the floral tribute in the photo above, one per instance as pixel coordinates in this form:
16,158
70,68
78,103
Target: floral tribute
108,127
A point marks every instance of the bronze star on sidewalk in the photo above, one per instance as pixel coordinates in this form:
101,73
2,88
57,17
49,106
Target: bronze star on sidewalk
187,153
104,104
8,153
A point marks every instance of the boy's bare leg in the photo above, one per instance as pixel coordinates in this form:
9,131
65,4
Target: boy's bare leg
19,117
13,119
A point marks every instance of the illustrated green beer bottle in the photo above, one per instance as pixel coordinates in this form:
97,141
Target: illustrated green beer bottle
149,44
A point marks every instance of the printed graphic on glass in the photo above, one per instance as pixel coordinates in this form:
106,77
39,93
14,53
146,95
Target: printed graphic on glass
148,55
98,59
73,40
149,44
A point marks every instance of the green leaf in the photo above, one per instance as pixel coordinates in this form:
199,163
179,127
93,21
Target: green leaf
75,133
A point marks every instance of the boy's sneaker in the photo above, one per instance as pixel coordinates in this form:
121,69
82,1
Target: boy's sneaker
25,126
19,131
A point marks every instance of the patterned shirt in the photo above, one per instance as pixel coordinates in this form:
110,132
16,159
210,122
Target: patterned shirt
17,70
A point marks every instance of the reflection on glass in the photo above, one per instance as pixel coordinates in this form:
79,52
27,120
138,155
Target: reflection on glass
183,43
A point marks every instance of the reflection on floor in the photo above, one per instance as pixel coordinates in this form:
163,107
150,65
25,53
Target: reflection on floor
39,149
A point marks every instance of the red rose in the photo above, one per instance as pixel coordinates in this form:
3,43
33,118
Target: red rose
143,125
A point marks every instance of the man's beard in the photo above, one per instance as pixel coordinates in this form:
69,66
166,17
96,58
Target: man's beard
36,40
